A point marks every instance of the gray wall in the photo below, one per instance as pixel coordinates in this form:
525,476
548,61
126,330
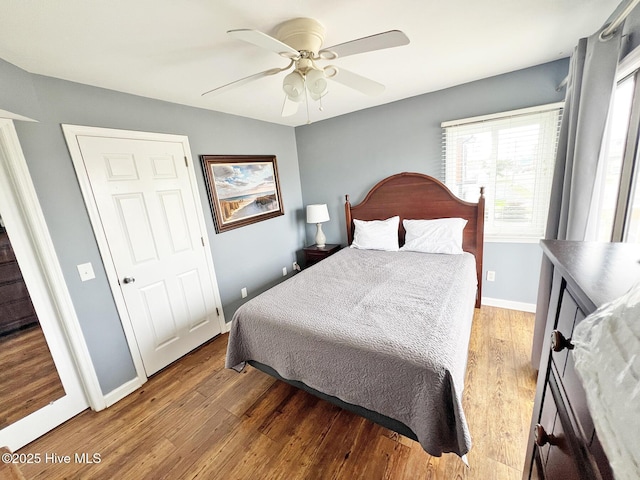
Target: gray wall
351,153
251,256
348,154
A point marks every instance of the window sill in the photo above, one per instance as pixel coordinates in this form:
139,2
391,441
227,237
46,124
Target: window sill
505,239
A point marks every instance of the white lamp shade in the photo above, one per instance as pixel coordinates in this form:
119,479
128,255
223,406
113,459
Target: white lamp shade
315,96
316,82
293,86
317,213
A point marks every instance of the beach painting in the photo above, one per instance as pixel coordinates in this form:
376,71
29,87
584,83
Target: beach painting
242,189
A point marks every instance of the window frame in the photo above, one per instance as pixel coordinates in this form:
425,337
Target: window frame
629,180
547,127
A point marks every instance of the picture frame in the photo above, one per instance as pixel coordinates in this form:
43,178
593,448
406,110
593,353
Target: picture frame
242,189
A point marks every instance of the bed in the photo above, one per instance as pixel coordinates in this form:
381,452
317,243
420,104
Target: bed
382,333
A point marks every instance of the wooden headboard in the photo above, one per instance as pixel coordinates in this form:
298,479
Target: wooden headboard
416,196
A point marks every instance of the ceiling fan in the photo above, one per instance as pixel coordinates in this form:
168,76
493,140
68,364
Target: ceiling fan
300,40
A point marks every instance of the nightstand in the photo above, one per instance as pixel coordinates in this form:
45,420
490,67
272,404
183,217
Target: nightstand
314,253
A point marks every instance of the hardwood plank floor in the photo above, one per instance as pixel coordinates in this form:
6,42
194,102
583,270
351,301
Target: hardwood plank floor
28,378
196,419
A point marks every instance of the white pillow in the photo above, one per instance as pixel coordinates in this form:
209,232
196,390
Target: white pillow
443,235
376,234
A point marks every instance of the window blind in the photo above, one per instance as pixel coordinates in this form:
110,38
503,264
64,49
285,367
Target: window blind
512,155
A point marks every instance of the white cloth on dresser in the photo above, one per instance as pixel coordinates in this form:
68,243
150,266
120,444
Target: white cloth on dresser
607,358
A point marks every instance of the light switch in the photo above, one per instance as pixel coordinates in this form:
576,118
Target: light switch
86,272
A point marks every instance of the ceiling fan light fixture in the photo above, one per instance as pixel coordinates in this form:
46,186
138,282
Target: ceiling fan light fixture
316,82
301,41
316,96
293,86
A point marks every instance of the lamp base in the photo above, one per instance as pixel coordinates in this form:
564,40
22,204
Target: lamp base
321,240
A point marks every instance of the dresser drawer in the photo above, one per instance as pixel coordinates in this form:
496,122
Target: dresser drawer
561,461
536,470
601,458
554,454
12,292
18,309
570,315
314,254
16,315
564,329
6,252
563,453
577,398
10,272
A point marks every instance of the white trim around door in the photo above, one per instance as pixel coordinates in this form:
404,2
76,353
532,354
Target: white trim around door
72,133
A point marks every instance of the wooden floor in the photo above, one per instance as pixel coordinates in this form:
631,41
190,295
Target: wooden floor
197,420
28,377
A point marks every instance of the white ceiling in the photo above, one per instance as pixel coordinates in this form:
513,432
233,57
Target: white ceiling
176,50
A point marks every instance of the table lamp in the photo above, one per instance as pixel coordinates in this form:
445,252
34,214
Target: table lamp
318,214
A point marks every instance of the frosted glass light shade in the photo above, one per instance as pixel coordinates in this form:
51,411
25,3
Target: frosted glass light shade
293,86
316,82
317,213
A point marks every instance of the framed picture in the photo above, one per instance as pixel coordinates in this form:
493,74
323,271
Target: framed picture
243,189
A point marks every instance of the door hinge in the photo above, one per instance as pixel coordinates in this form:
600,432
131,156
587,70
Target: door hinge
217,311
186,162
202,240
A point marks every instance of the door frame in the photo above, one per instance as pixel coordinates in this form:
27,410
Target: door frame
71,132
39,262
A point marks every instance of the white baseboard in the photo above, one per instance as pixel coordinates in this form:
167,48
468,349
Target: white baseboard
132,385
122,391
511,305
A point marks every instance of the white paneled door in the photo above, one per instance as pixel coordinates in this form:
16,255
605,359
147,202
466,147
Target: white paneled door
146,202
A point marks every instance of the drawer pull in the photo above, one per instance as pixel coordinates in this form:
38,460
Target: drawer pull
559,342
542,437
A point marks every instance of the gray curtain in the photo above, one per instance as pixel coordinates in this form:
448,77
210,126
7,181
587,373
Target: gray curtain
588,95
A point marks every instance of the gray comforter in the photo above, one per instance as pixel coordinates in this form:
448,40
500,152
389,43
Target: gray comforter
388,331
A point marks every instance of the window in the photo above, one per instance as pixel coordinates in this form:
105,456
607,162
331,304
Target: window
512,155
618,212
613,152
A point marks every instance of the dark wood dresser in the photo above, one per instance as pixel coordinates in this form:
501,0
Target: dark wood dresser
563,443
16,309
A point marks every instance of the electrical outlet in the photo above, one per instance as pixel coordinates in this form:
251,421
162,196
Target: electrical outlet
243,292
86,271
284,271
491,276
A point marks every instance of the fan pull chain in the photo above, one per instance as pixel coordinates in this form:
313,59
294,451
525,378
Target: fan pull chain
306,100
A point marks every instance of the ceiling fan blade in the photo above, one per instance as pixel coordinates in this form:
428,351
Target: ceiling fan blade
380,41
242,81
289,107
263,40
355,81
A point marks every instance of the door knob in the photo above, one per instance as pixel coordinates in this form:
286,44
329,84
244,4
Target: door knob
542,437
128,280
559,342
